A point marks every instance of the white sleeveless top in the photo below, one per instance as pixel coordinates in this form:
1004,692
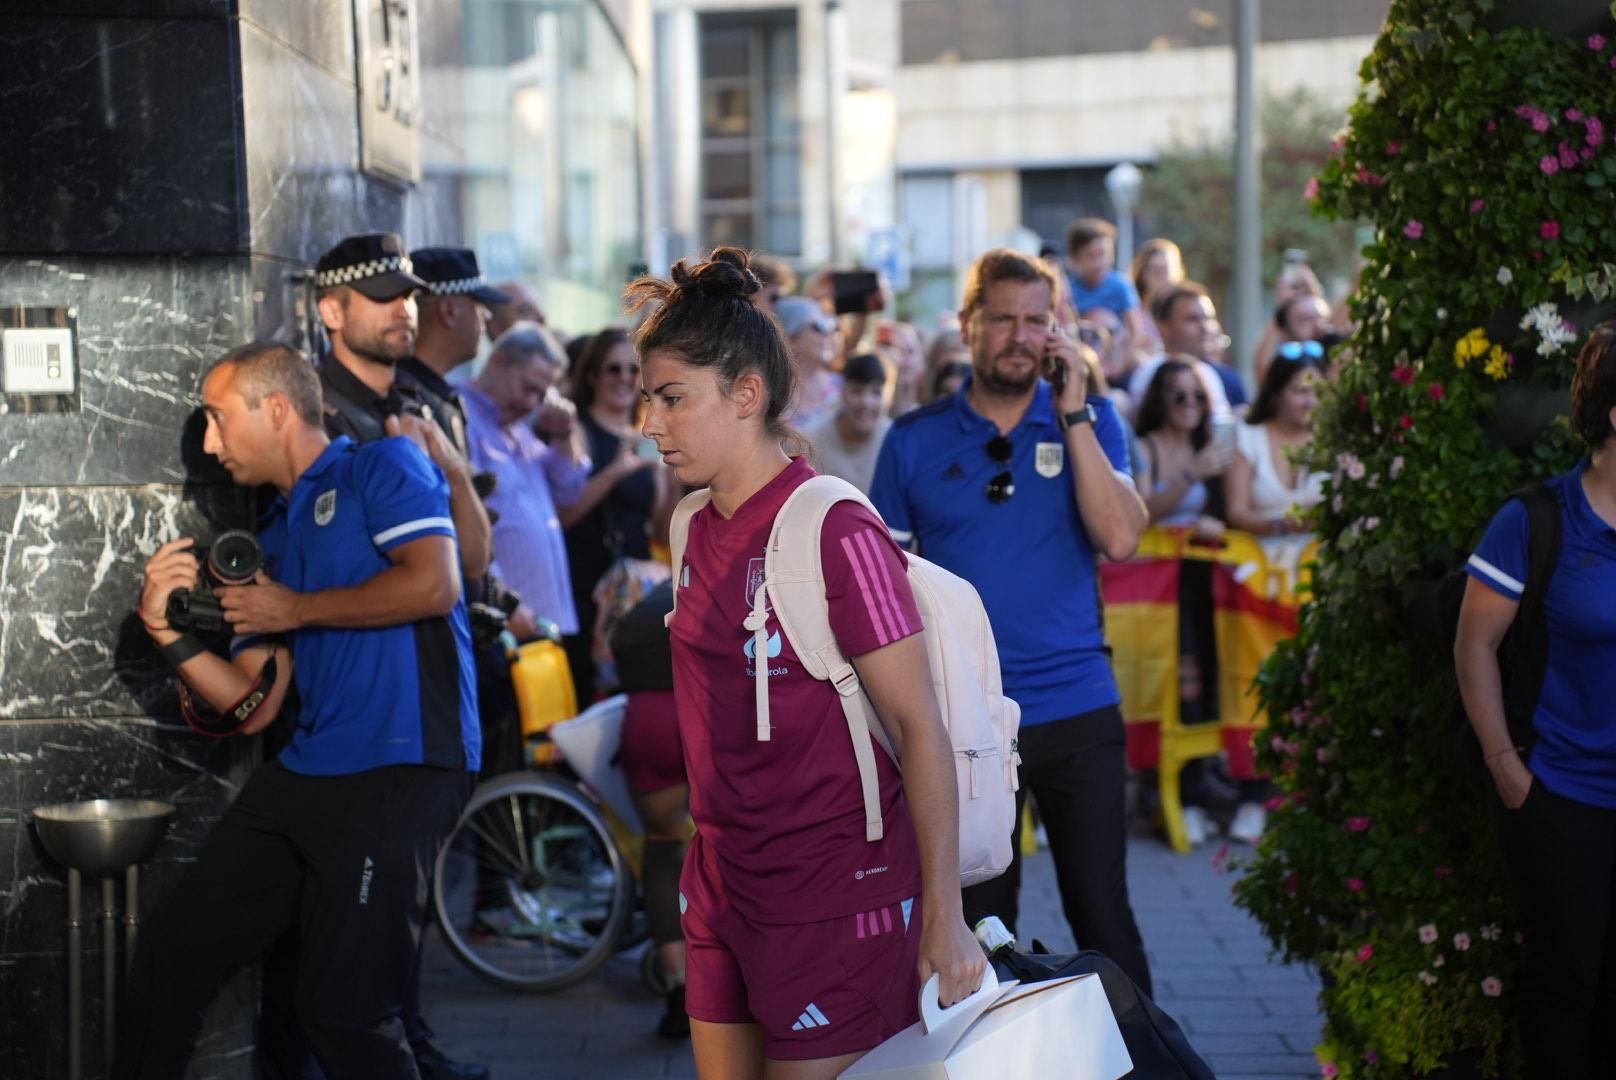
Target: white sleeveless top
1270,498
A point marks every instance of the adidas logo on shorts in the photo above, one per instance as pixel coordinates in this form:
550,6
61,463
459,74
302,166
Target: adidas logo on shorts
811,1018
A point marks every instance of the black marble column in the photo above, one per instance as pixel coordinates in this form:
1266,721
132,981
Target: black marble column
170,166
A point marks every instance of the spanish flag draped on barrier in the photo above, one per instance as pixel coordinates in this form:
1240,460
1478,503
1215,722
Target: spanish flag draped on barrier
1256,590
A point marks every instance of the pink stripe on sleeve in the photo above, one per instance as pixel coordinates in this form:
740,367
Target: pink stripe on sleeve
848,549
861,925
867,543
886,919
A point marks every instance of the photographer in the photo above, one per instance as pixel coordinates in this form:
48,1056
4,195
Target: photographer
335,836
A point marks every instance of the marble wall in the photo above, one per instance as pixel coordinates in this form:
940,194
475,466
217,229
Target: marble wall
186,160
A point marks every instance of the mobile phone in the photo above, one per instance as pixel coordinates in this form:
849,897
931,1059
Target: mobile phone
1223,432
857,292
647,449
1054,367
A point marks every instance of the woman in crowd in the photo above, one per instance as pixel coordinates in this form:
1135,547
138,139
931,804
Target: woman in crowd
783,973
1551,749
1156,265
1182,463
947,378
1295,280
1268,490
625,504
811,332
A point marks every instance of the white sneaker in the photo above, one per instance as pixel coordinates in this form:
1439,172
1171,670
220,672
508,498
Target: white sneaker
1195,825
1248,824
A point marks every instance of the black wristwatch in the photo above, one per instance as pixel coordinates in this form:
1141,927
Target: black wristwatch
1085,415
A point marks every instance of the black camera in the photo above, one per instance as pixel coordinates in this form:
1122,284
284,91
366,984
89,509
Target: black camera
232,559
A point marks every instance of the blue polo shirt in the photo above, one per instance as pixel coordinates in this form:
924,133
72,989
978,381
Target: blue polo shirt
1029,557
1575,755
1114,293
397,695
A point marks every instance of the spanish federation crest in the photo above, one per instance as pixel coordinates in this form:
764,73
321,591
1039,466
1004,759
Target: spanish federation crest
325,507
1051,457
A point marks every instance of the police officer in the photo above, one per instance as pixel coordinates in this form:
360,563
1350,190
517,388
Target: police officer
360,603
365,289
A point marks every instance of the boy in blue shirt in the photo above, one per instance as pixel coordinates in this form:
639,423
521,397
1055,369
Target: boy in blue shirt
1091,247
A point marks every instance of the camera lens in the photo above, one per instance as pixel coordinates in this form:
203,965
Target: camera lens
235,557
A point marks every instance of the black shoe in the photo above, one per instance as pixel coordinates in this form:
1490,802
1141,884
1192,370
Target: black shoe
434,1064
675,1022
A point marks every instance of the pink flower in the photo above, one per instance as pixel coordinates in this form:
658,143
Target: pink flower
1363,175
1428,934
1413,230
1568,156
1357,824
1596,42
1595,129
1365,954
1573,114
1613,62
1548,165
1540,121
1277,743
1569,327
1329,1070
1491,932
1443,871
1371,1058
1355,884
1311,191
1492,126
1436,391
1323,754
1276,803
1477,205
1461,941
1336,144
1549,230
1587,153
1392,148
1491,986
1404,374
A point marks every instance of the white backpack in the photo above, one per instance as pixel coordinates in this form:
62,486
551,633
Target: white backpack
982,722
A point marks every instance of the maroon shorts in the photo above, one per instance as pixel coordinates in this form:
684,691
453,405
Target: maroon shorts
652,756
818,990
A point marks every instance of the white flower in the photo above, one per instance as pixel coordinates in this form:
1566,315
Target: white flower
1396,467
1427,978
1504,276
1428,934
1543,315
1441,314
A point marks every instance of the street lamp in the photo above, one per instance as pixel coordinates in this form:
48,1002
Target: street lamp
1122,183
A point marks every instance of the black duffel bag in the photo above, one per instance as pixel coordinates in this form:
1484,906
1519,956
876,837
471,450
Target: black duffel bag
1157,1045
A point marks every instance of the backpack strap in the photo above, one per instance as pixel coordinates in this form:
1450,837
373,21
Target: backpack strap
1530,644
794,577
678,536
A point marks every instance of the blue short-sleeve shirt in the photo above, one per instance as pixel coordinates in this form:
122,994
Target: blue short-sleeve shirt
398,695
1575,755
1029,557
1114,293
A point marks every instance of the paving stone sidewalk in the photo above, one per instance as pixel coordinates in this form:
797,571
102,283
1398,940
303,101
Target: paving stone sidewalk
1248,1017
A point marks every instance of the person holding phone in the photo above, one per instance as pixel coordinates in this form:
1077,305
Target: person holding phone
628,498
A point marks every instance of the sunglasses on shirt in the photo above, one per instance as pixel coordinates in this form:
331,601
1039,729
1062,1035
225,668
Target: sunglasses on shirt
1295,350
1003,485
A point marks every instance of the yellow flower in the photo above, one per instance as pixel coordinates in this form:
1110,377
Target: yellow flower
1498,363
1471,346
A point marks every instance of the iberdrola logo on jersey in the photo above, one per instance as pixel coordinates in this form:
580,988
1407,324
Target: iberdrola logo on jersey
774,646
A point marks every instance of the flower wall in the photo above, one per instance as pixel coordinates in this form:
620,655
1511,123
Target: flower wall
1480,155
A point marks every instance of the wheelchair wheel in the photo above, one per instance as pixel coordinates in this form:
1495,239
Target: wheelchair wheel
531,891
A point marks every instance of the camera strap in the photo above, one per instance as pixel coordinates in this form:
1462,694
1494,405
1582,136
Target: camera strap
205,720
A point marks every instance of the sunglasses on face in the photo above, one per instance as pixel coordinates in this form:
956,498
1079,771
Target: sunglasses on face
1180,397
632,371
1003,485
1295,350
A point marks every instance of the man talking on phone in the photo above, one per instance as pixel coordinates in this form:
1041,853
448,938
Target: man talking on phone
528,437
1017,483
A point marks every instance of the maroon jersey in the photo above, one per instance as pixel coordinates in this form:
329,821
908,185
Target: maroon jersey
780,824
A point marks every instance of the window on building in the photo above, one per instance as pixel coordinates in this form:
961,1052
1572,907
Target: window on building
751,138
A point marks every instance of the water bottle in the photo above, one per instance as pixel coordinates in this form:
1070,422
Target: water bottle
994,936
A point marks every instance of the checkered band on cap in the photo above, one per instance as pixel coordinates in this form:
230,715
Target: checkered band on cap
342,275
458,286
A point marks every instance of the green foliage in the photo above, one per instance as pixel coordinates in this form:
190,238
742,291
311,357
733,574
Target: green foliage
1466,152
1189,190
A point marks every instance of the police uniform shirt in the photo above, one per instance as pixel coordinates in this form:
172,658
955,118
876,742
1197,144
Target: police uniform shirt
398,695
354,409
444,399
1029,557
